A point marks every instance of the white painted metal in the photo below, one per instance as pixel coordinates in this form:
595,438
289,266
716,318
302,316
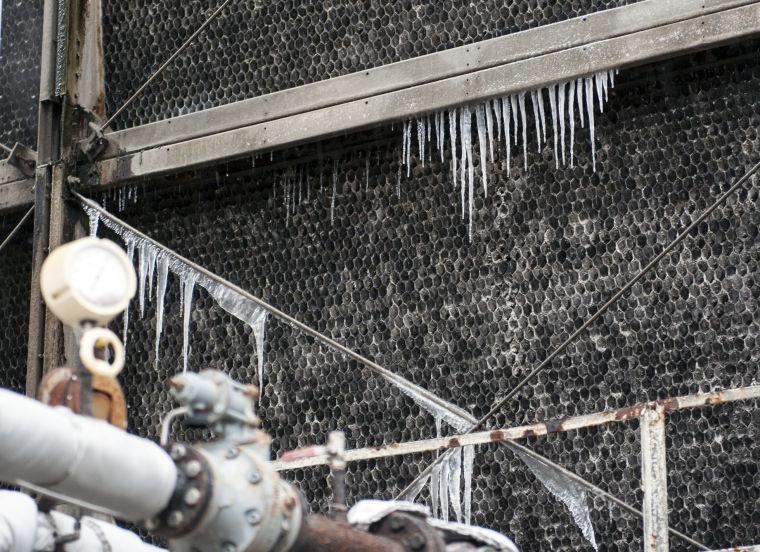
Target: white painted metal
654,480
83,458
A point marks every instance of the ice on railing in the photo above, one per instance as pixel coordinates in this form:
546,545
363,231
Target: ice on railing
567,491
152,256
510,117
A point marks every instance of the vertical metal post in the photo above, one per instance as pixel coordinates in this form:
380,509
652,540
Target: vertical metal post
654,479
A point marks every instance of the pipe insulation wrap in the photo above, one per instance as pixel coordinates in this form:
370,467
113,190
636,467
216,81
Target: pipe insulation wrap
18,522
83,458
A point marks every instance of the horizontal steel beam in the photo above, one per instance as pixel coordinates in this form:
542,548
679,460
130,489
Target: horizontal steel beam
534,430
635,34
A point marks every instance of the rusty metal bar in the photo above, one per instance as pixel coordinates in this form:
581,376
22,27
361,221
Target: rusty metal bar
654,479
351,116
533,430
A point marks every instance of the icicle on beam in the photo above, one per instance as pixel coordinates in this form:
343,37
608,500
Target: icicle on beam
465,138
536,117
142,273
453,123
505,109
524,124
444,488
480,119
468,455
435,476
590,113
571,119
152,252
131,255
579,84
455,483
94,217
567,491
496,107
421,132
489,129
163,276
561,115
553,104
188,286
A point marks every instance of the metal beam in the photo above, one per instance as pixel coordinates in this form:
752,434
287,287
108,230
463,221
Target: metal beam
535,430
17,194
629,36
654,479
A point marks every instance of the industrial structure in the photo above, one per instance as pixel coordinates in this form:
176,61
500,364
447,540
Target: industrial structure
509,249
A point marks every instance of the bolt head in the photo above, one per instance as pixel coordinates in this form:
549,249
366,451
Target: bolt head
231,453
177,451
192,496
254,477
193,468
175,519
253,516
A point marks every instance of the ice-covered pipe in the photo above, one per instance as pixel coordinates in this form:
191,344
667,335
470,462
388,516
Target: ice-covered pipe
24,529
83,458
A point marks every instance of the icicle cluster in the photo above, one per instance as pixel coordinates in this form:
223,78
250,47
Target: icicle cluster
121,196
505,120
155,260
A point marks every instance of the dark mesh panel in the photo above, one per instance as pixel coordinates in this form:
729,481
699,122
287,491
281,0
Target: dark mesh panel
20,39
250,51
15,282
396,278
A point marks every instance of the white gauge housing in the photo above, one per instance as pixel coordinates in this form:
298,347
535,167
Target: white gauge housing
87,281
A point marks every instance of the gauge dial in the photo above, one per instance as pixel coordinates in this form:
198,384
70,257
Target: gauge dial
99,276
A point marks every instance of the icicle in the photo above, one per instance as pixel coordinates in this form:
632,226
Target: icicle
441,135
308,183
142,272
480,119
412,494
455,482
524,123
515,122
188,286
536,117
561,116
468,454
444,488
590,108
542,113
599,91
612,73
470,173
581,107
553,103
505,109
403,142
163,276
334,192
489,129
605,85
496,106
408,159
571,118
453,123
569,492
152,252
465,122
428,127
435,478
259,327
131,254
421,131
94,217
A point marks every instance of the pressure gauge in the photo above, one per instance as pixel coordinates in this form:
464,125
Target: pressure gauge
88,280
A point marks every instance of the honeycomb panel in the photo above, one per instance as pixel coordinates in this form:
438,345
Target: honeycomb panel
15,281
394,276
256,48
20,39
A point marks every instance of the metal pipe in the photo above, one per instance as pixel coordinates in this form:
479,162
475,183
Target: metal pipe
86,459
321,534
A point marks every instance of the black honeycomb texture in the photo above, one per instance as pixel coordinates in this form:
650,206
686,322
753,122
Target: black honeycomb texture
256,47
396,278
15,282
20,40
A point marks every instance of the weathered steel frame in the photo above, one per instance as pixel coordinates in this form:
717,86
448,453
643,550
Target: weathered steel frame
653,465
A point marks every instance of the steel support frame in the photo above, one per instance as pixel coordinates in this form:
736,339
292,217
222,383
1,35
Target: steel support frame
653,449
640,33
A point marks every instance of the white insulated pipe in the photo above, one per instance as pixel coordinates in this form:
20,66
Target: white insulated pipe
83,458
23,529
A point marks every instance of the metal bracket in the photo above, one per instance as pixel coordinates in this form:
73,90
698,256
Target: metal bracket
24,159
95,144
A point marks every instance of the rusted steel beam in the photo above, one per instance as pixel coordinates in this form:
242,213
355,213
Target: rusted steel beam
534,430
654,481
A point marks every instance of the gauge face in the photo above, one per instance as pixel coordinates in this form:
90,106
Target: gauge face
98,275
